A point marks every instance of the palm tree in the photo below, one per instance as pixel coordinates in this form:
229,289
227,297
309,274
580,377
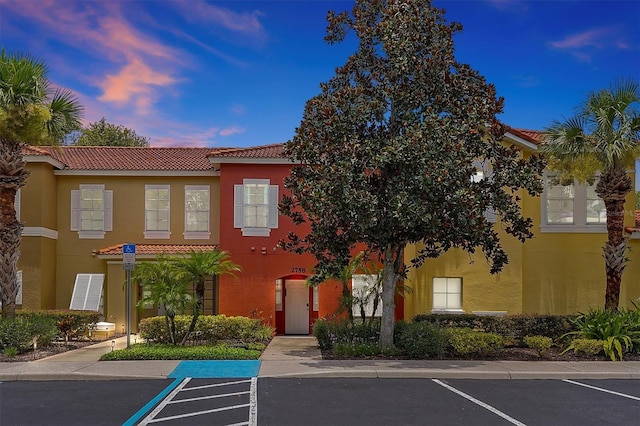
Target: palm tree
160,279
30,112
196,267
603,136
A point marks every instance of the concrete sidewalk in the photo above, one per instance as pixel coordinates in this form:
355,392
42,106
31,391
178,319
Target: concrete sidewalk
298,356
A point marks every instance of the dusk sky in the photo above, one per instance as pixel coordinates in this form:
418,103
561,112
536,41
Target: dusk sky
215,73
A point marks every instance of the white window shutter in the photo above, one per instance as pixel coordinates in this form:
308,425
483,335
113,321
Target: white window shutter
87,292
19,295
273,207
491,215
17,204
108,210
238,206
75,210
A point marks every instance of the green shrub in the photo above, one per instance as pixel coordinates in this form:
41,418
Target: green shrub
16,333
356,349
586,346
209,329
540,343
332,332
618,330
422,340
512,327
465,342
11,351
145,351
321,333
70,324
20,332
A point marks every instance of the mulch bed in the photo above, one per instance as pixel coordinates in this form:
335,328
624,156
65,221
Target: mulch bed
507,354
54,349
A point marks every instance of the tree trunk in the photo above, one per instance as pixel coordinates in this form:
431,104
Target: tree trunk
391,273
12,176
613,187
196,311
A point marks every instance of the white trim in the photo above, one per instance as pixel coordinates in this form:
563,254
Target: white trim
43,159
39,231
157,235
575,229
91,235
256,232
164,173
193,235
522,142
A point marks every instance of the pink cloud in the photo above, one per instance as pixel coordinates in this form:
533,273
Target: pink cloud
135,82
187,138
584,39
247,23
233,130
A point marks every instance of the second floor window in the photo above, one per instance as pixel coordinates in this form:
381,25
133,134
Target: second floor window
197,208
91,211
157,211
256,207
572,206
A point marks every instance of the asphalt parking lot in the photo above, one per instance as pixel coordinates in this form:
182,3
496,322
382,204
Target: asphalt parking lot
321,401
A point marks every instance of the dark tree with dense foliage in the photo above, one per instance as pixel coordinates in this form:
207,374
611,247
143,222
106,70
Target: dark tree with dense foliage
388,149
102,133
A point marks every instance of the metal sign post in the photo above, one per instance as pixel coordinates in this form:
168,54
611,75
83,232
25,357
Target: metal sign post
128,264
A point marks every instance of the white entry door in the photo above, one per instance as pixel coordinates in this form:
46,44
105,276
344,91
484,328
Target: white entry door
296,307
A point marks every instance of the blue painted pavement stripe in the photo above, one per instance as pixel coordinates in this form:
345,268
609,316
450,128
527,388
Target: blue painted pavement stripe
216,369
133,420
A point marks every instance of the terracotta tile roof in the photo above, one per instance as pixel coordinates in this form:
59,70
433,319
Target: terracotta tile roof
129,158
155,249
533,136
34,150
265,151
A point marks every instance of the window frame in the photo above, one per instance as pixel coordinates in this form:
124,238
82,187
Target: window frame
197,235
76,212
359,281
580,199
446,308
240,205
157,233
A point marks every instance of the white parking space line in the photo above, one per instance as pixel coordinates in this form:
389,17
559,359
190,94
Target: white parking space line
480,403
216,385
253,403
198,413
624,395
163,403
201,398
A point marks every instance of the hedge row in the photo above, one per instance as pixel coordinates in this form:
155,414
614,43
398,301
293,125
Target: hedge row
512,327
18,334
209,329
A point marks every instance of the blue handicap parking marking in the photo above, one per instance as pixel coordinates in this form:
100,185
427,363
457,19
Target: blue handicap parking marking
216,369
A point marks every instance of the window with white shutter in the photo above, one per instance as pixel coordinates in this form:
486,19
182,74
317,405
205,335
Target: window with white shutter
87,292
91,211
255,207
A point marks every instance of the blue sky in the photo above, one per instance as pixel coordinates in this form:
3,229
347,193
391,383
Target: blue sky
197,73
